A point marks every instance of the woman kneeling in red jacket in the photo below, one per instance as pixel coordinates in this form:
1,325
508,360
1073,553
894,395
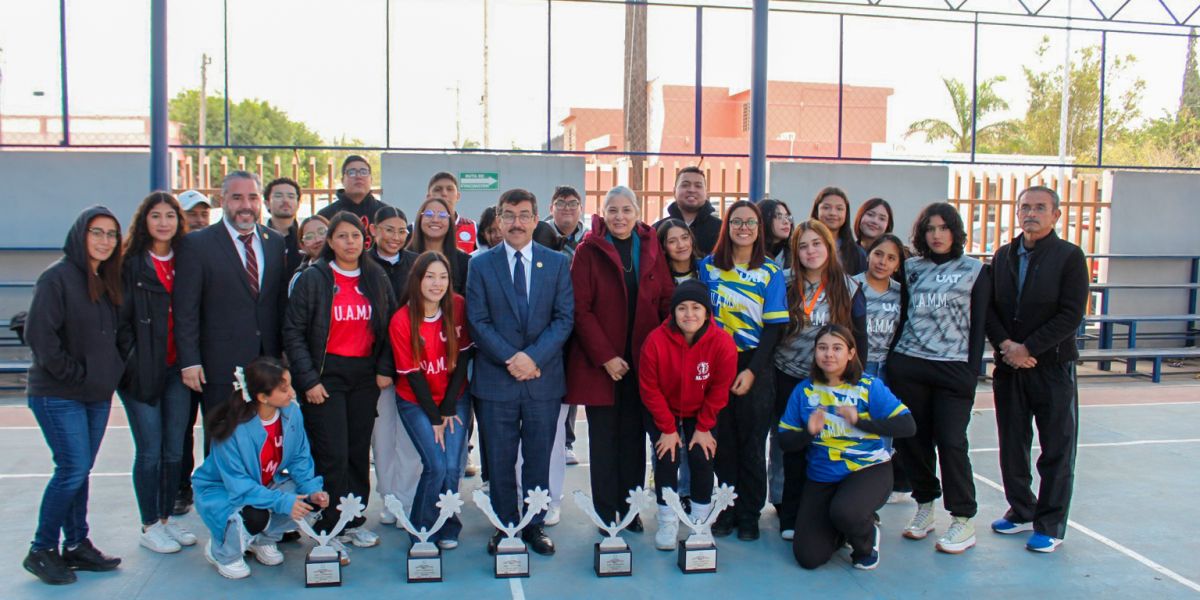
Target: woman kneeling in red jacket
687,367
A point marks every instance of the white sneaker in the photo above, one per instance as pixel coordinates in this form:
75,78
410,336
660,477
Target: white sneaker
267,554
668,529
553,516
237,569
447,544
343,552
958,538
359,536
571,458
898,497
156,538
179,533
386,517
922,523
788,534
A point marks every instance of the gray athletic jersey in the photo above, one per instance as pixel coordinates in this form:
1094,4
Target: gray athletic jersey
883,314
938,325
794,355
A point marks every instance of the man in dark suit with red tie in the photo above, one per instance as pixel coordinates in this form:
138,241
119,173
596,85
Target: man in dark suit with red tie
229,292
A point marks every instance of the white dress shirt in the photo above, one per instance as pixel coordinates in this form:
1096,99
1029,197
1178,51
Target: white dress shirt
527,260
241,248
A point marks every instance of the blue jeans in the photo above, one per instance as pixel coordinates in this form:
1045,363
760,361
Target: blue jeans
158,433
232,546
73,430
874,369
441,469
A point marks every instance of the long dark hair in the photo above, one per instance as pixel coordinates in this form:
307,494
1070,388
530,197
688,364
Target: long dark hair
263,376
369,273
664,229
890,238
416,241
106,279
723,252
854,368
416,308
770,209
950,217
833,278
844,235
486,220
869,205
139,239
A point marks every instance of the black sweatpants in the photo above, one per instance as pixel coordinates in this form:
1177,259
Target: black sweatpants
189,448
844,510
1045,395
795,464
940,395
617,446
339,432
742,428
700,466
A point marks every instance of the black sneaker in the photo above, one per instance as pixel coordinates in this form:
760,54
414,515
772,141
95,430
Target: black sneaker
686,502
290,536
636,525
48,566
723,527
86,557
748,530
183,502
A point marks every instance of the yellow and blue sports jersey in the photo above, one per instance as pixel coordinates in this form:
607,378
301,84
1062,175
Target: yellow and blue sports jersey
744,299
840,448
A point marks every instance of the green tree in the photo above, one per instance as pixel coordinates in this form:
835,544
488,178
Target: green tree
989,137
1038,131
1189,98
251,122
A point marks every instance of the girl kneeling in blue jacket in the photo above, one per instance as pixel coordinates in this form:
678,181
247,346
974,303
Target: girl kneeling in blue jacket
242,491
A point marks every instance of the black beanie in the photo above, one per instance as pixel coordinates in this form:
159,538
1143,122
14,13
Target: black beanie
691,290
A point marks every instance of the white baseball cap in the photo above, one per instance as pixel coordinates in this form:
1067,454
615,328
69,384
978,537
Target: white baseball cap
189,199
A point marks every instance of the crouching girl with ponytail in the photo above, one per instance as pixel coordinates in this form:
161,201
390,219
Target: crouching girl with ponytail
259,475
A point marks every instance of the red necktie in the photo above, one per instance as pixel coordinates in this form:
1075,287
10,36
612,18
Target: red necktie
251,262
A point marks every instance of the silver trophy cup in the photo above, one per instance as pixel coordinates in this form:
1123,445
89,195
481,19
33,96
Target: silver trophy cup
613,557
698,553
322,566
512,556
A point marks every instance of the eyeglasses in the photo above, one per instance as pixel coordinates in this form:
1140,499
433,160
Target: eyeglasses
523,217
391,231
100,233
783,218
440,215
363,172
313,235
743,223
567,204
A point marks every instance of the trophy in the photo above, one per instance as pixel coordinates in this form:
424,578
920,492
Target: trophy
425,557
698,553
612,556
322,567
512,557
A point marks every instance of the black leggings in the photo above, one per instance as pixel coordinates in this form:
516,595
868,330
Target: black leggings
617,446
831,513
940,395
795,464
700,467
742,428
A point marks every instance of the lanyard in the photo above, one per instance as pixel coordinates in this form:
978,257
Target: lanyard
810,305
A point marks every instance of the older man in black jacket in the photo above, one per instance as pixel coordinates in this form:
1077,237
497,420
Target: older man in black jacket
229,292
1040,288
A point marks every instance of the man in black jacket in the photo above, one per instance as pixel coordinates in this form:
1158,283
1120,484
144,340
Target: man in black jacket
229,292
691,206
1040,288
283,200
355,195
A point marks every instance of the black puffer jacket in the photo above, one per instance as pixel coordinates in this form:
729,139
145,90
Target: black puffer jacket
306,323
397,274
142,331
74,340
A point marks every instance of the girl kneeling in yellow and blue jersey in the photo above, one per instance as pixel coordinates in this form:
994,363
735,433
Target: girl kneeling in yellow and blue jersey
845,421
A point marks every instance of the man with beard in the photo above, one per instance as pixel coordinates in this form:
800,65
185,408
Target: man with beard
283,198
196,207
692,207
355,196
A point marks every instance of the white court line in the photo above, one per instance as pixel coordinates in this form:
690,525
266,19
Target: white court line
1112,544
47,475
1122,405
1109,444
516,589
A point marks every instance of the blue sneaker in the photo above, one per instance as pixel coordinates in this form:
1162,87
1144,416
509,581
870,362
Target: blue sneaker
870,561
1040,542
1006,527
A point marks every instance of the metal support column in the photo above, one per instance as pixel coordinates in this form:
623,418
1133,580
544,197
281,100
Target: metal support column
758,105
160,172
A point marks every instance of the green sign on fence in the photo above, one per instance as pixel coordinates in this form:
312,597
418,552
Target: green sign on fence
478,181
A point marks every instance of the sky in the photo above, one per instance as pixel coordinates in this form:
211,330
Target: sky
326,64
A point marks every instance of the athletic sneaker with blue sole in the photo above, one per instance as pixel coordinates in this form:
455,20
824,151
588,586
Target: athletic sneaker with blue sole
1040,542
1007,527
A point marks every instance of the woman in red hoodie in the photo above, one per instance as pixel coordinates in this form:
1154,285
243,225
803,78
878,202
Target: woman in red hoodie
688,365
622,290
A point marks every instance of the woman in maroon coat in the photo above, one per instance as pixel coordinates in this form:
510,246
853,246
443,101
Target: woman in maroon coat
622,293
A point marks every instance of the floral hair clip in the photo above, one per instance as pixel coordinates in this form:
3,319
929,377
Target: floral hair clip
239,383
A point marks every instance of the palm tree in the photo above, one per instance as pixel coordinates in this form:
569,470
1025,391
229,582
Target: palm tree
959,132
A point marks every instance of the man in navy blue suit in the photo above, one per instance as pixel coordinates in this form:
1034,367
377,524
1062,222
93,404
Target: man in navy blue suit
520,308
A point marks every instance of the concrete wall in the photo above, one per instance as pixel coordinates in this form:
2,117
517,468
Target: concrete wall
1152,213
404,177
906,188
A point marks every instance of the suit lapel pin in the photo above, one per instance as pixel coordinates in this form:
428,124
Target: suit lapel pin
539,264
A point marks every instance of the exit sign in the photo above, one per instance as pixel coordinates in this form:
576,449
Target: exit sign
478,181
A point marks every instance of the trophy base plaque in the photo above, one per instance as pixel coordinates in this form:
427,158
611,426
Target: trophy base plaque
512,559
697,556
322,568
613,560
424,563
